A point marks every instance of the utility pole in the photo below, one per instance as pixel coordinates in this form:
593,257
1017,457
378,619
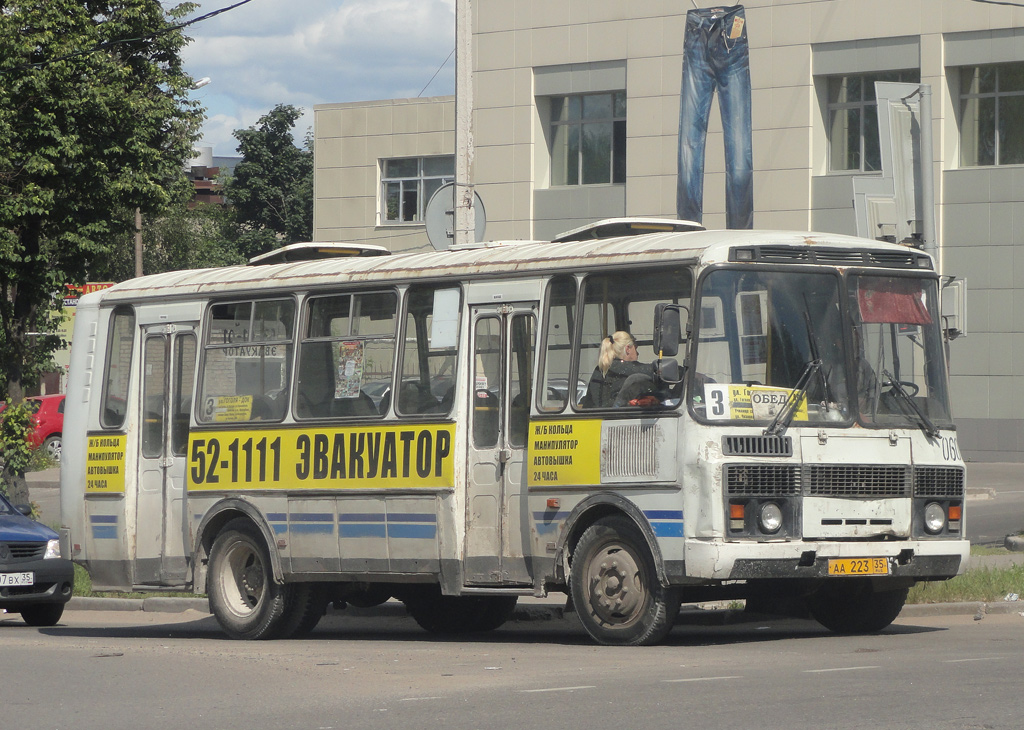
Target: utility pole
464,228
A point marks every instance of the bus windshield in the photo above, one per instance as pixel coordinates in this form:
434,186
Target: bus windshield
768,341
897,344
772,341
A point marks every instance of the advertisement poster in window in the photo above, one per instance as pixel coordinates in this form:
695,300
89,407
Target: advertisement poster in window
349,367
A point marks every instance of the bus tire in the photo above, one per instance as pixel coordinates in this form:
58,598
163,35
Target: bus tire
615,586
244,598
457,615
851,606
305,605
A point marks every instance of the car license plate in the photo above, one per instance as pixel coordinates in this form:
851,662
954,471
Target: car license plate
858,566
17,579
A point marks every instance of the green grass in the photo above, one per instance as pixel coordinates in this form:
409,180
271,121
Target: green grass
83,587
983,584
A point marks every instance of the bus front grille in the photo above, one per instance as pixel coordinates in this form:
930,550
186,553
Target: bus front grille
846,480
938,481
761,480
818,480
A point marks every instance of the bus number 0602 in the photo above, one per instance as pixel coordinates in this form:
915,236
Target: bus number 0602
246,456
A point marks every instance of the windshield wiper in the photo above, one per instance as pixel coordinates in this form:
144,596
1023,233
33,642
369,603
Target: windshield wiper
782,419
926,425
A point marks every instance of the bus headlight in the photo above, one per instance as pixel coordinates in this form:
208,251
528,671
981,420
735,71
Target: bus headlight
934,517
770,518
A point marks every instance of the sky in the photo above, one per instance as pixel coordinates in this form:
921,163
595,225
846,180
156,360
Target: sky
306,52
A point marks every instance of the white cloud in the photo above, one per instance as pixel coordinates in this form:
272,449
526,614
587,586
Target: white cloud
306,52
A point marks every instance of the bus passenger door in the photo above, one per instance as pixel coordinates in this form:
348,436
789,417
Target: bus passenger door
500,395
161,542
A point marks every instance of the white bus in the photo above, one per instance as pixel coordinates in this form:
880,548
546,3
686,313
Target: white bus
425,427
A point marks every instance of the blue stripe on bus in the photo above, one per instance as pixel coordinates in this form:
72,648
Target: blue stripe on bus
277,516
361,517
311,517
412,518
664,514
104,532
419,532
103,519
362,530
668,529
313,528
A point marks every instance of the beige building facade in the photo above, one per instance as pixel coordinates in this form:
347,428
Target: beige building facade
577,118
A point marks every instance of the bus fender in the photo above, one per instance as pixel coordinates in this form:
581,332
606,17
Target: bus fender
589,511
218,516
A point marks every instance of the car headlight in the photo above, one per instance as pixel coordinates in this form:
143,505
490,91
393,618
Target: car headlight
52,549
934,517
770,518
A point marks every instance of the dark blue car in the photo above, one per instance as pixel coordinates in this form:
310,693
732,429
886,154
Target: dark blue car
35,580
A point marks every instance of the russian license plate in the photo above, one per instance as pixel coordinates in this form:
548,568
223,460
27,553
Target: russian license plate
16,579
858,566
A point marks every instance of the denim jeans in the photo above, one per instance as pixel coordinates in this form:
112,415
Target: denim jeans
716,55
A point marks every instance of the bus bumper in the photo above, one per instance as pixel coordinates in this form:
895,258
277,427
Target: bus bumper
920,560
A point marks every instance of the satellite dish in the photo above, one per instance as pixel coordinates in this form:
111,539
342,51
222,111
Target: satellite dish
440,217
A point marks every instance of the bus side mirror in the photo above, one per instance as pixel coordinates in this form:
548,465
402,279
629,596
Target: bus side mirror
668,371
667,330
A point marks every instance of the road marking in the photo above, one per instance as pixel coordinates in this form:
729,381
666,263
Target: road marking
418,699
702,679
557,689
837,669
979,659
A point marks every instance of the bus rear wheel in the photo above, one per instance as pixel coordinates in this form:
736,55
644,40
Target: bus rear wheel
244,598
852,606
615,586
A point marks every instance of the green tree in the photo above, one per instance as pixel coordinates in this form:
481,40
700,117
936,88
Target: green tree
271,189
94,119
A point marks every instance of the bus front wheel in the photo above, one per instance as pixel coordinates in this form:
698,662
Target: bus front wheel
244,598
615,586
852,606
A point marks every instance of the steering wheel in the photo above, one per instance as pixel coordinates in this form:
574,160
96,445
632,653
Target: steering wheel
911,389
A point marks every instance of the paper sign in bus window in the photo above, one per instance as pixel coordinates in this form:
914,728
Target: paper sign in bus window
349,379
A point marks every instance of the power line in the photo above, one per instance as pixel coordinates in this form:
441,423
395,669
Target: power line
108,44
436,73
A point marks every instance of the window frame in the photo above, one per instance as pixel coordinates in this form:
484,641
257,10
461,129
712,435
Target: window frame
998,96
861,105
616,154
418,181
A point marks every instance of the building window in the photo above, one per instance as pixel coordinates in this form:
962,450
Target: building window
407,184
853,119
992,114
588,139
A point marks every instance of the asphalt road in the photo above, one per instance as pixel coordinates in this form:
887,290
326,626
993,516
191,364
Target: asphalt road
111,670
997,510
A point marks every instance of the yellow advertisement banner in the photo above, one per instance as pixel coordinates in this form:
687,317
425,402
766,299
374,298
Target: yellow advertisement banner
361,457
104,464
564,453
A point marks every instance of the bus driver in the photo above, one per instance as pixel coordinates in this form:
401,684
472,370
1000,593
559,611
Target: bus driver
616,365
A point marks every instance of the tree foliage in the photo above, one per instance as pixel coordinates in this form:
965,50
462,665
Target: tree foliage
94,120
271,189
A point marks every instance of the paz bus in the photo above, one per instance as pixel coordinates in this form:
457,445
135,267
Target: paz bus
333,424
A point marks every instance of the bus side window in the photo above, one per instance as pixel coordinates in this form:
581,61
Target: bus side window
429,350
557,385
247,361
118,368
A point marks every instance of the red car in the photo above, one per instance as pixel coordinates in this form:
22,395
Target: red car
49,423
